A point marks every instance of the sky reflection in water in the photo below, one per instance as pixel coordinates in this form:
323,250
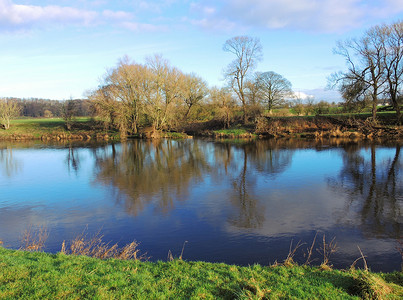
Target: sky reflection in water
234,202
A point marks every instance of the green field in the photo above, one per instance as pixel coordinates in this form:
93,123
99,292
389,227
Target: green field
35,275
35,128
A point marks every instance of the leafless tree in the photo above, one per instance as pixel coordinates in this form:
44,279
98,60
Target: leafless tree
392,39
68,113
193,91
247,51
224,105
364,58
8,110
273,88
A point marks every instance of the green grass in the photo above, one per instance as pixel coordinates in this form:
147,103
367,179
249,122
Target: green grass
35,128
28,275
232,131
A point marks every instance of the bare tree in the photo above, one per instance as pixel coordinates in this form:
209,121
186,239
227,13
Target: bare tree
193,91
8,110
126,83
364,77
392,38
273,88
165,92
69,111
224,105
153,94
247,51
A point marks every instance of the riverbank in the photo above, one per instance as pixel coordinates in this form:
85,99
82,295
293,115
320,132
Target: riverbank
53,129
353,127
28,275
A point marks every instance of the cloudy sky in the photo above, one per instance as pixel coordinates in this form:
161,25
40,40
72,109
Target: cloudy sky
61,49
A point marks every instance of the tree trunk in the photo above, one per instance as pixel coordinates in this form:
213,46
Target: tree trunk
244,114
374,105
397,109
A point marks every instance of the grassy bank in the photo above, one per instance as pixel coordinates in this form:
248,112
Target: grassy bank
329,126
83,128
36,275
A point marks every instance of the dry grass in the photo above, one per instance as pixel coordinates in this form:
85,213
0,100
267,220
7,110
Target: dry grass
289,261
363,259
327,249
171,257
372,286
95,247
33,239
310,251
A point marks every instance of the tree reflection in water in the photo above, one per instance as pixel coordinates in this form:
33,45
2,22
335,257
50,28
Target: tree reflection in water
243,168
72,159
145,171
374,187
161,171
9,166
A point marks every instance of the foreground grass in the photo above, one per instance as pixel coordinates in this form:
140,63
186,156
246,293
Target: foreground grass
35,275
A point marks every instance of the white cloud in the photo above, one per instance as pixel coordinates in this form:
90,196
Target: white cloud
26,17
13,16
311,15
117,15
321,94
134,26
302,95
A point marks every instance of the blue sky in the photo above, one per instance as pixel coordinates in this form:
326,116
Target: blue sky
61,49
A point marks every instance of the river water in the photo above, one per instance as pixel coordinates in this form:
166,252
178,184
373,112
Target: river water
239,202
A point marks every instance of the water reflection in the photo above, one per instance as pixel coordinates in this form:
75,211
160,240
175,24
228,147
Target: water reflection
243,163
159,171
9,165
72,159
371,181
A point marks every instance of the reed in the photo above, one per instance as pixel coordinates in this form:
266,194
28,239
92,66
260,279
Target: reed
95,247
34,238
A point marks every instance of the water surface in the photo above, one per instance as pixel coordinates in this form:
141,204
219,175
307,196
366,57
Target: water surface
232,201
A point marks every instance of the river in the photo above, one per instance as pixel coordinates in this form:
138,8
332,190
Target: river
238,202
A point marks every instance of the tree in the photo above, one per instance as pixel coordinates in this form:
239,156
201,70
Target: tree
165,93
126,87
8,110
392,38
223,104
364,58
273,88
68,113
247,51
193,91
105,106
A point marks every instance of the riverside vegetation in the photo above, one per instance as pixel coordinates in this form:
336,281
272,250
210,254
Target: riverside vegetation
91,269
354,126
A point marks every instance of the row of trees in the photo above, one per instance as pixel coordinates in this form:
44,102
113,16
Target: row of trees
267,89
374,67
46,108
11,108
156,94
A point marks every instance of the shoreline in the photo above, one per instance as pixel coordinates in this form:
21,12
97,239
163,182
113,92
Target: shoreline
310,128
42,275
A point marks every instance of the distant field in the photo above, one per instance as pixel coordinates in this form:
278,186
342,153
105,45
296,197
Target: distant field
37,127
